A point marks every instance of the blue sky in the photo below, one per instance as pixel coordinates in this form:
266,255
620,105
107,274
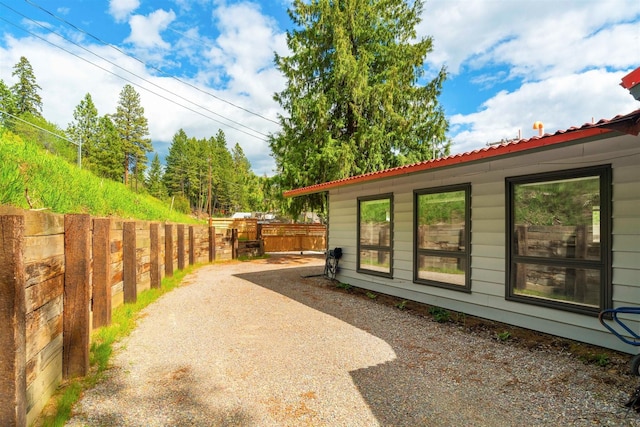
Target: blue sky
204,65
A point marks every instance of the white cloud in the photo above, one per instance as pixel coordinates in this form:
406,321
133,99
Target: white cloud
121,9
558,102
246,45
145,30
564,61
533,36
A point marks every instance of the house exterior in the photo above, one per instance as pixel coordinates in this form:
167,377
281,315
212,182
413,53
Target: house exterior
542,233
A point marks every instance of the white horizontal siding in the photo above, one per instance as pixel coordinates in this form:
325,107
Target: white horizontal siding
487,225
626,226
625,243
626,276
626,230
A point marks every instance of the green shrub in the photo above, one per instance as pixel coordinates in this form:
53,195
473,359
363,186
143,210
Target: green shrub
440,314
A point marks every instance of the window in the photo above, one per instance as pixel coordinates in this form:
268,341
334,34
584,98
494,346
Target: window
442,231
375,235
559,239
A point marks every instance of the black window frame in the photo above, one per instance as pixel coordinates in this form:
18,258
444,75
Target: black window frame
604,264
360,246
465,256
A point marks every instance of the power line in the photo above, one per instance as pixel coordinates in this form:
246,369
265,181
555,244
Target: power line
138,85
49,132
38,127
134,74
147,65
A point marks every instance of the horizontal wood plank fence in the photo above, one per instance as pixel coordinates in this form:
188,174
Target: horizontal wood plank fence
247,227
62,275
293,237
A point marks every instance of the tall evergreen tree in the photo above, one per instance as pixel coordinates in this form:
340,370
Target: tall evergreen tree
222,165
176,165
84,128
25,91
7,103
155,186
241,179
356,97
108,154
133,131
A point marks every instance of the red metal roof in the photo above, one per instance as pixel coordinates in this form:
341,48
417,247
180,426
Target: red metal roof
629,123
632,79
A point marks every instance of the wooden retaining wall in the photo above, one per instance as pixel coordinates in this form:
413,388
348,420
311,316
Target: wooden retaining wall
62,275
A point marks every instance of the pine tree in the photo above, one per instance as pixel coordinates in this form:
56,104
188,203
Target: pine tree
223,172
108,153
356,97
25,91
84,129
7,103
176,165
133,131
154,180
240,179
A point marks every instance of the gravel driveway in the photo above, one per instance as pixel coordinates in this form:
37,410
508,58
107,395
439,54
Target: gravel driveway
258,344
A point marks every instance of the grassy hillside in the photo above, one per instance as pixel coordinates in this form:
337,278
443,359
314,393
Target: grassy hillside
31,175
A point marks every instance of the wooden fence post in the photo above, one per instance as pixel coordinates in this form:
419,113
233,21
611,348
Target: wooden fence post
522,243
13,382
168,250
129,263
180,246
581,252
234,243
154,235
192,245
77,294
101,272
212,244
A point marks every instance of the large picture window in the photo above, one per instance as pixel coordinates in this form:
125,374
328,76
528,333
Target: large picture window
442,230
375,235
559,239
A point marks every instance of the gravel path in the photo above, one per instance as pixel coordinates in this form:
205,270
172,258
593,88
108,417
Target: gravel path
257,344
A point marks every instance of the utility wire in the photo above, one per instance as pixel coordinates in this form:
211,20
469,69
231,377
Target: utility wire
125,70
147,65
49,132
133,83
38,127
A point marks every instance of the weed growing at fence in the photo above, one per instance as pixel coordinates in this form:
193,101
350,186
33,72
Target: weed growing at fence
123,321
402,305
345,286
503,336
599,359
440,315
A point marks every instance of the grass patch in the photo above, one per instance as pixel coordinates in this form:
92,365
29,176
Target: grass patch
31,177
345,286
123,322
503,336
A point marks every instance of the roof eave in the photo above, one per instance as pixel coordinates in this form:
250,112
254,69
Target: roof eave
624,124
